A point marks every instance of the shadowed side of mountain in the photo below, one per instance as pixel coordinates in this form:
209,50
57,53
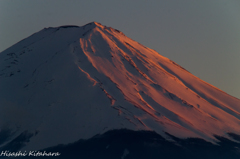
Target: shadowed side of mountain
17,143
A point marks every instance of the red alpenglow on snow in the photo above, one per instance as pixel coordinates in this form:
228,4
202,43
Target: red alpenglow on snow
69,83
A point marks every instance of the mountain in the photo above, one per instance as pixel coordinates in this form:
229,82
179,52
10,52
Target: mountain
68,88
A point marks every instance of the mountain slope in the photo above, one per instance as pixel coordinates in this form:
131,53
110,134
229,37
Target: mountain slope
69,83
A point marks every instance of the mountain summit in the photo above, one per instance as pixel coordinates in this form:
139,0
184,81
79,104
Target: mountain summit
67,83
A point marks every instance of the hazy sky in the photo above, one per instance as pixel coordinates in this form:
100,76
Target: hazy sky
203,36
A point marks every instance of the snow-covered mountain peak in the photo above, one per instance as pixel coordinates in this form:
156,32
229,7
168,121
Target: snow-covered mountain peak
95,23
92,79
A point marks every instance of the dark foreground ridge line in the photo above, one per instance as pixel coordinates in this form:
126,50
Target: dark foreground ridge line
130,144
